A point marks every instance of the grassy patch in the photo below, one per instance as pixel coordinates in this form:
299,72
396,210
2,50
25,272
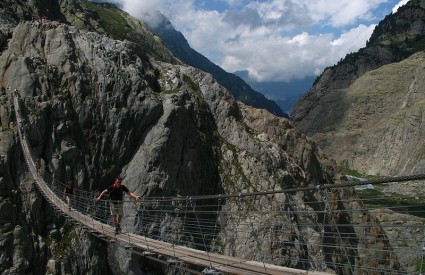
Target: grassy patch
402,205
248,129
354,173
63,246
115,23
48,241
420,264
192,85
418,44
231,180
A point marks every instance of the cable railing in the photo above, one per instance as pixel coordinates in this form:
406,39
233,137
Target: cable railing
329,232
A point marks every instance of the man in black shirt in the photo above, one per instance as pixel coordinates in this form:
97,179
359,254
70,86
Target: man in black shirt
116,192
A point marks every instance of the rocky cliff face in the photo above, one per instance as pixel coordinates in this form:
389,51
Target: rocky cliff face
96,108
365,114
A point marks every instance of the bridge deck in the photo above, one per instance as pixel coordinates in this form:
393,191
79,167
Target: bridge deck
188,255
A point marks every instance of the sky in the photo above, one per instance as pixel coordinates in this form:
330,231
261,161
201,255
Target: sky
274,40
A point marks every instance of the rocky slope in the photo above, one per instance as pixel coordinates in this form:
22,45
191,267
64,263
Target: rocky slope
96,108
366,115
378,125
403,238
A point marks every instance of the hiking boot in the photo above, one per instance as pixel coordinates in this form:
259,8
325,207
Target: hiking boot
117,230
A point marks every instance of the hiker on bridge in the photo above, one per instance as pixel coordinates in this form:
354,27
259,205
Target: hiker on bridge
69,194
38,166
116,192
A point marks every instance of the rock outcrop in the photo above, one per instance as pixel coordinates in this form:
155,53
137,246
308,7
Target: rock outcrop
402,238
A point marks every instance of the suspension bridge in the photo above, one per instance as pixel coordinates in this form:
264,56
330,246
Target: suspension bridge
334,232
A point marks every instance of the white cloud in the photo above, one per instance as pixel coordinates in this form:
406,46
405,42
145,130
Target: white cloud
287,58
264,50
354,38
139,7
233,2
342,12
402,3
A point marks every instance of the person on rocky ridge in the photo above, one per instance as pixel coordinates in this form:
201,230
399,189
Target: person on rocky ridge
116,192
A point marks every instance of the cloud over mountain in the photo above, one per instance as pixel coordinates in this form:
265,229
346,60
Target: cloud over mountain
274,40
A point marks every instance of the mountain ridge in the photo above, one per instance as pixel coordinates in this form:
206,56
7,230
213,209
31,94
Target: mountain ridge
324,113
285,94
